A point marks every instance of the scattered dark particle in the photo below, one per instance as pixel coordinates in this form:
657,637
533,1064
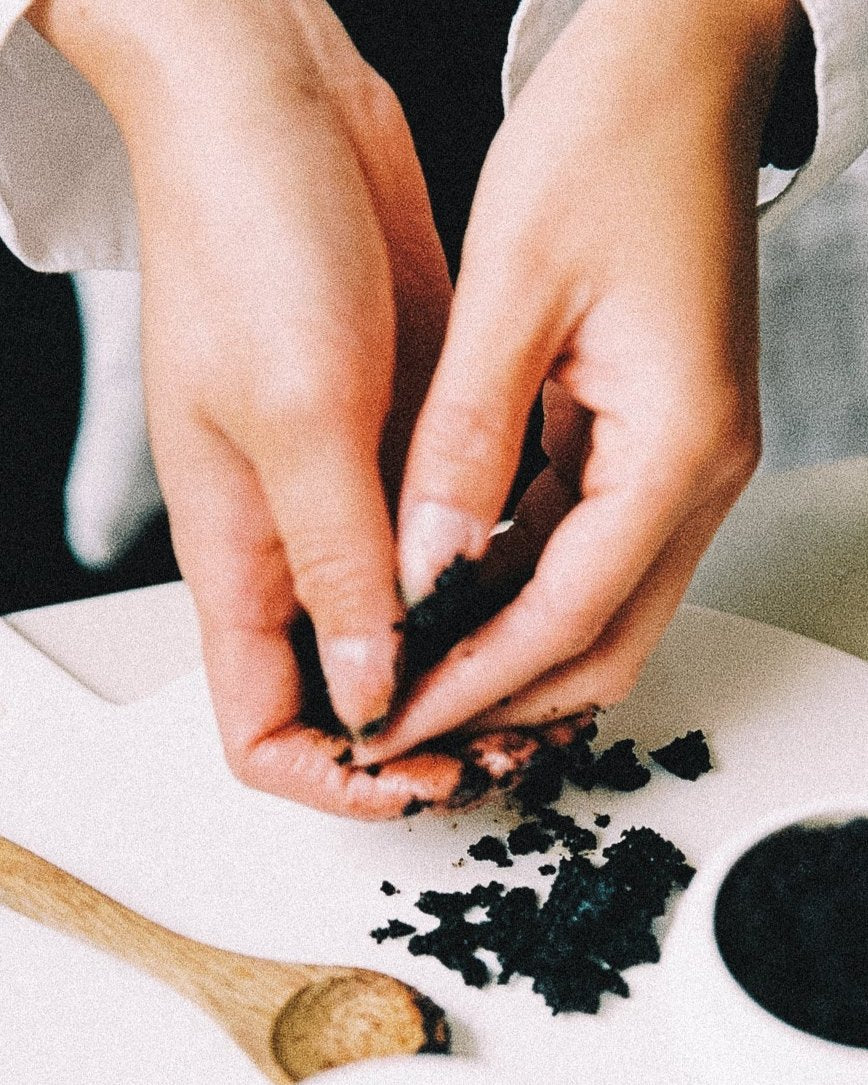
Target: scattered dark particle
344,757
548,768
388,889
490,848
547,868
453,943
602,821
529,837
542,781
416,806
686,757
619,769
443,905
791,922
374,727
374,770
393,929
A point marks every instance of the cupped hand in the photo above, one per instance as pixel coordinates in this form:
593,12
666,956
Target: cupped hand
611,254
288,259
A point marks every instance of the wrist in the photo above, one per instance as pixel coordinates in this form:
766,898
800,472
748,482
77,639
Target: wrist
143,57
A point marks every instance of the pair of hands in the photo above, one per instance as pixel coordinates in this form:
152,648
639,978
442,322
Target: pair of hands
296,302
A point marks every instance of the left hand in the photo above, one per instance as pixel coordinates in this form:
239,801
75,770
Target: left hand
611,252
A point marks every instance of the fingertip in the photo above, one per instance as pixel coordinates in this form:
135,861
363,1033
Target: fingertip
432,534
360,672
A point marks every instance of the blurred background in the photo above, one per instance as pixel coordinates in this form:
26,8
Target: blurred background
814,307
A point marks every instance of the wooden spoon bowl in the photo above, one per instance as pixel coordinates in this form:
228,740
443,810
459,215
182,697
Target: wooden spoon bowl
292,1020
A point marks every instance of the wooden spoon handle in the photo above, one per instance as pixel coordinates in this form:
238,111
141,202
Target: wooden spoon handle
43,892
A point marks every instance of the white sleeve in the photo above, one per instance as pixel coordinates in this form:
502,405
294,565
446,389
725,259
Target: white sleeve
840,29
65,195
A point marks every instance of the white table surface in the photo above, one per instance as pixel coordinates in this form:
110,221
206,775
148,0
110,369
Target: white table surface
793,553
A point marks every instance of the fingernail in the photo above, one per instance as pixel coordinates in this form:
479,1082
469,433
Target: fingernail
360,672
431,536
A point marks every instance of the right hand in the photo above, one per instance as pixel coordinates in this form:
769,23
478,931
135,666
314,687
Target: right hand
288,257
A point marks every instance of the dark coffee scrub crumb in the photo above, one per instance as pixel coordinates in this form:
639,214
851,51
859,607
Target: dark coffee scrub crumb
388,889
345,757
529,837
791,922
462,601
686,757
596,921
619,769
491,849
393,929
602,821
551,766
547,868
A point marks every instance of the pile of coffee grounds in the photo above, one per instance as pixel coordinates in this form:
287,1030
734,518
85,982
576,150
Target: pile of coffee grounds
791,922
595,922
462,601
687,757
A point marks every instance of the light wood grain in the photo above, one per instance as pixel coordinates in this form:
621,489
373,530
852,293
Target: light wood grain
292,1020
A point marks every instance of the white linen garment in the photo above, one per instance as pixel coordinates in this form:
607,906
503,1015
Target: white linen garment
66,204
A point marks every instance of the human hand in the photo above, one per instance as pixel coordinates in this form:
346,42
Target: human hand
611,252
288,256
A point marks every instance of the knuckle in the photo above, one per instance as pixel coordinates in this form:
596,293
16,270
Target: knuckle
465,443
335,586
242,765
716,451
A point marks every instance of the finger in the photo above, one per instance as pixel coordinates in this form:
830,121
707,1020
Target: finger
325,495
608,672
422,287
505,329
307,766
232,559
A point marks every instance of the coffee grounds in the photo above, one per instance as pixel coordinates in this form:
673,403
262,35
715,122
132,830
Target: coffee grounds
791,922
394,929
619,769
491,849
462,601
602,821
687,757
388,889
529,837
595,922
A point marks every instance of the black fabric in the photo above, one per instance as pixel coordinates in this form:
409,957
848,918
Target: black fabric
790,130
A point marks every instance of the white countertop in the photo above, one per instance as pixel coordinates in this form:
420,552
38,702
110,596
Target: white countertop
793,553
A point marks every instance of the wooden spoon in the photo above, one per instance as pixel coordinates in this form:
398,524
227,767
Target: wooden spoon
292,1020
